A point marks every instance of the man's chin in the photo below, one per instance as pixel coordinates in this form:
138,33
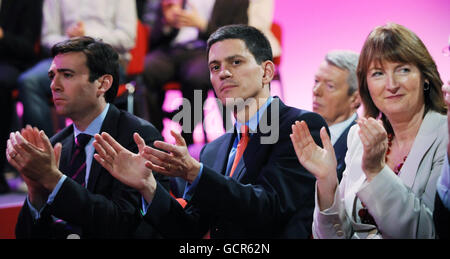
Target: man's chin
61,111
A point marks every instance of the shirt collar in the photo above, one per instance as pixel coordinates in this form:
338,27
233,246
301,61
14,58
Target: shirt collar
337,129
95,126
254,120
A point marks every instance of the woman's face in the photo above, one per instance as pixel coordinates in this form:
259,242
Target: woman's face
395,88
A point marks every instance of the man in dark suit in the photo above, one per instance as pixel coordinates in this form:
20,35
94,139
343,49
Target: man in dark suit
336,98
230,194
177,52
84,82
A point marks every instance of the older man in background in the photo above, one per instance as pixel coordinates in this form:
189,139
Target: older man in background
336,98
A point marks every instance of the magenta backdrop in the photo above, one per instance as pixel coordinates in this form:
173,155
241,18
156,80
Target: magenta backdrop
311,28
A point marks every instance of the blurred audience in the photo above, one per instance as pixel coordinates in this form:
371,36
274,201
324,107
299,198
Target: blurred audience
441,213
113,21
396,151
177,48
20,27
336,98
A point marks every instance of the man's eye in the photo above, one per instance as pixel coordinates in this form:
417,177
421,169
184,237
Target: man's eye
214,68
67,75
236,62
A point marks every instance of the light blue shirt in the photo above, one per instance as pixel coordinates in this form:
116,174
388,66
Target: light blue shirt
93,128
252,125
443,184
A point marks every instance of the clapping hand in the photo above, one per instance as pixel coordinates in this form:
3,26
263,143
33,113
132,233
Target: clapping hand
321,162
375,143
125,166
175,161
32,154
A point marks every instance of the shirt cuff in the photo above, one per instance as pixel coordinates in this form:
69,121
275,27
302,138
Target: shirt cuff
188,192
190,187
37,214
145,206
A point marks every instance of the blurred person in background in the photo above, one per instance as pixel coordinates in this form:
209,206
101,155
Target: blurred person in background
441,213
336,98
20,28
178,47
395,152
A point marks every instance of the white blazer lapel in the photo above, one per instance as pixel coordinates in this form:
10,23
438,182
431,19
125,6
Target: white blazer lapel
424,139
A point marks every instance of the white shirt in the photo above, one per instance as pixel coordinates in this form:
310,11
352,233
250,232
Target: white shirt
113,21
337,129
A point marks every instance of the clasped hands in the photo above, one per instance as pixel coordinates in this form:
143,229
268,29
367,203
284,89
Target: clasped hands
178,17
135,170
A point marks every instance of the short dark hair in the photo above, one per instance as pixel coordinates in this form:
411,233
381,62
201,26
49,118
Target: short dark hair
101,59
256,42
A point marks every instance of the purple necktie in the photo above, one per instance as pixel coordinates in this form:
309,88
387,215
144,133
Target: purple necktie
78,162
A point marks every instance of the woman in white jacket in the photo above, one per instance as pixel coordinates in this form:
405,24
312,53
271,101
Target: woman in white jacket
395,153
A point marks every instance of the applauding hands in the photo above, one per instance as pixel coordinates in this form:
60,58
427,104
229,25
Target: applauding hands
135,170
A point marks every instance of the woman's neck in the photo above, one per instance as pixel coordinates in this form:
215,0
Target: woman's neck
406,127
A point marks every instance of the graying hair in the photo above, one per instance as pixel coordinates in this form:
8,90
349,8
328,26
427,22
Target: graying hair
347,60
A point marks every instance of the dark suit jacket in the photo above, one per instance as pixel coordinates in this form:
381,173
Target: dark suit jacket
107,208
441,217
268,188
340,150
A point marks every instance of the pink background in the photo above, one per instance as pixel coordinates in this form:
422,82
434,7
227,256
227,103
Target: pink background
312,28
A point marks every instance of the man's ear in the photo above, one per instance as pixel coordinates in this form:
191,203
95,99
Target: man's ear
104,83
355,100
269,71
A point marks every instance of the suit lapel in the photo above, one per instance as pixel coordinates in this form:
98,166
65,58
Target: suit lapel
221,161
65,137
249,158
66,153
424,140
254,153
110,126
340,147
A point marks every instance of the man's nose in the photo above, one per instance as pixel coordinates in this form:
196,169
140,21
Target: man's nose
317,89
225,73
55,84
